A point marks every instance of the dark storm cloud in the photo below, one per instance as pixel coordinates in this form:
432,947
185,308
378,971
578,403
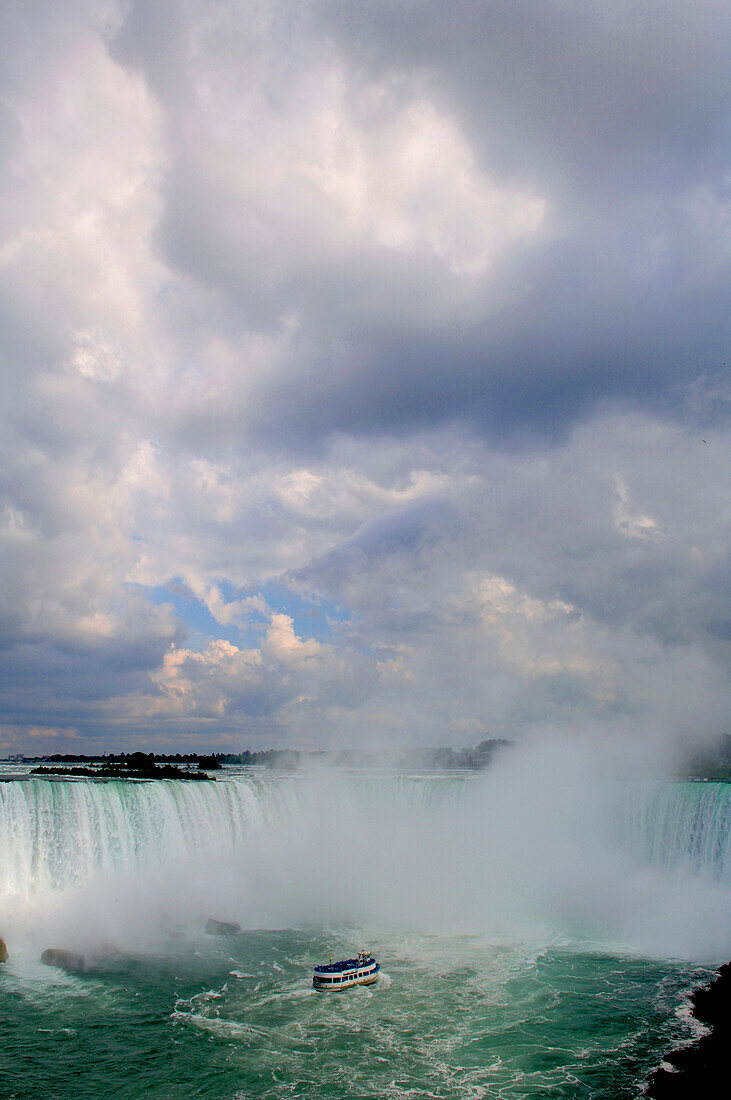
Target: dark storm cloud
618,118
619,97
572,345
49,680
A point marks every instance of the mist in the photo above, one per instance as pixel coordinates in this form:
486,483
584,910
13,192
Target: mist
554,843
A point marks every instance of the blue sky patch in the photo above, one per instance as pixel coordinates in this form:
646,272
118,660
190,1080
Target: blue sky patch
312,618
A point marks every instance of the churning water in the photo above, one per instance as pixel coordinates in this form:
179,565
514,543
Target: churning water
539,931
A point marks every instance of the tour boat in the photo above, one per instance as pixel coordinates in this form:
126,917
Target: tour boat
339,975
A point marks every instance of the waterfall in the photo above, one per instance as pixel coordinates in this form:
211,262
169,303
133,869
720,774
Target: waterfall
648,866
682,825
59,834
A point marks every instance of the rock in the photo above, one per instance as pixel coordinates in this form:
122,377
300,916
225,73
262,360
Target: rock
65,960
108,951
105,955
3,952
221,928
694,1071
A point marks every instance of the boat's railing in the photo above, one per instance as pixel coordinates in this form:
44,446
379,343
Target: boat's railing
345,964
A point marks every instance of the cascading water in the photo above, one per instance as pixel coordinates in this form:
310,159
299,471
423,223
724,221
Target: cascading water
453,853
683,825
58,834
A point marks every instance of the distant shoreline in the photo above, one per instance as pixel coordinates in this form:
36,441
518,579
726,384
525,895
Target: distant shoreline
474,759
161,771
139,765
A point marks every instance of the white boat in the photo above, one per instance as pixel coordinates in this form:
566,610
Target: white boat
333,976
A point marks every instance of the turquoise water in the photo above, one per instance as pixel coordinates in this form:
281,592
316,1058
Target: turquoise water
490,986
240,1019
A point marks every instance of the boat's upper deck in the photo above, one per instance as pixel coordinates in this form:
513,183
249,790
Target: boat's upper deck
345,964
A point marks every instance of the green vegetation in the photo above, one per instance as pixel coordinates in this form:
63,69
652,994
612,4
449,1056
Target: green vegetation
720,774
138,765
712,762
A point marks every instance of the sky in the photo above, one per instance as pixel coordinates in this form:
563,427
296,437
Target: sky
364,372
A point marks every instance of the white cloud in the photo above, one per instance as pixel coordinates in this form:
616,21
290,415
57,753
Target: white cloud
283,644
498,597
406,179
631,526
80,190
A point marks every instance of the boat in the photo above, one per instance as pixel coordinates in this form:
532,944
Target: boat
362,970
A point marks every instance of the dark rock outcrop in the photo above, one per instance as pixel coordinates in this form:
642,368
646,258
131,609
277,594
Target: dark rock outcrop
3,952
65,960
221,928
697,1069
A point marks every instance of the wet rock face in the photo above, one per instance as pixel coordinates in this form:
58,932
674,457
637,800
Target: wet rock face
65,960
3,952
696,1070
221,928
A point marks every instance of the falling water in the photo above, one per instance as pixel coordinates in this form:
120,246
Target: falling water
442,853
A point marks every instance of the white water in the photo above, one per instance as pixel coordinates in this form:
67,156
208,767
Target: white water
683,825
54,835
524,850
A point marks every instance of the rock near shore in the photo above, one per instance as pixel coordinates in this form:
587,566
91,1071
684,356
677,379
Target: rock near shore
696,1070
64,960
221,928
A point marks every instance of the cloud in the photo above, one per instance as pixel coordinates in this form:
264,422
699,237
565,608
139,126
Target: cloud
631,526
364,369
